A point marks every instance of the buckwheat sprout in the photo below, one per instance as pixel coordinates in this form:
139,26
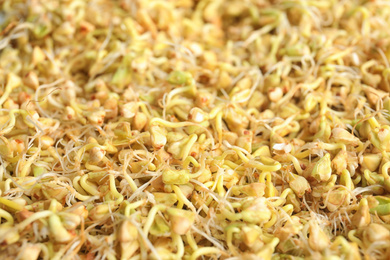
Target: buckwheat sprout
11,179
8,217
188,54
158,121
3,169
88,187
209,191
49,55
108,61
182,198
44,86
107,39
36,216
13,34
209,238
258,33
146,240
141,188
326,80
259,81
132,206
131,182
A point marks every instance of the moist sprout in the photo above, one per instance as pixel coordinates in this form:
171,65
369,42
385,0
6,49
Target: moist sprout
156,129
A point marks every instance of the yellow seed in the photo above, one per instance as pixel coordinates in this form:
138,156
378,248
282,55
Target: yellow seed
8,104
322,169
46,142
340,135
204,99
168,199
337,198
31,80
224,80
250,235
181,220
157,136
52,190
97,117
129,109
69,114
111,108
197,115
8,235
244,83
256,211
262,151
30,252
79,210
37,56
17,146
96,154
371,161
339,162
310,102
254,189
299,185
100,211
375,232
267,251
257,100
70,220
127,232
380,137
362,216
231,137
139,121
275,94
172,176
290,228
318,240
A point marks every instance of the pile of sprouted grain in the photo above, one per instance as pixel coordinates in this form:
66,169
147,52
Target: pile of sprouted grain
190,129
